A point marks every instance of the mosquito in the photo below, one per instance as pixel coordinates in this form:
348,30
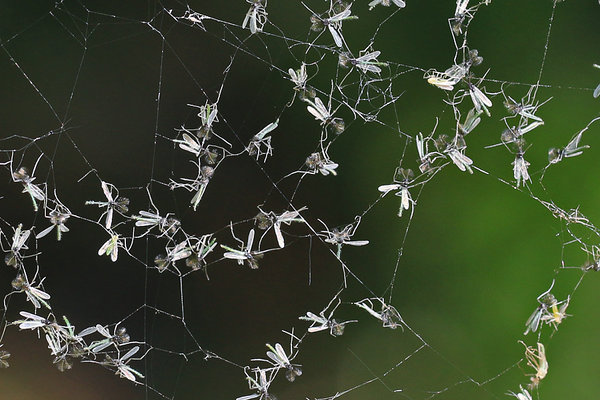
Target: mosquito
178,252
320,162
36,296
208,116
545,300
111,247
112,203
402,180
268,220
124,370
333,24
572,149
324,115
455,150
386,3
21,175
366,62
342,236
281,360
260,383
471,121
13,258
536,358
520,168
245,253
119,337
199,251
57,217
389,316
321,322
260,140
256,17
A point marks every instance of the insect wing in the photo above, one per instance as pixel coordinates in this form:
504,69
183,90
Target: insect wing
597,91
269,128
357,242
45,232
388,188
399,3
278,234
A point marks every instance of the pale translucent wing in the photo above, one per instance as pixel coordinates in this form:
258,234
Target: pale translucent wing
106,191
388,188
336,36
269,128
250,240
597,91
130,353
44,232
279,235
357,242
109,218
234,256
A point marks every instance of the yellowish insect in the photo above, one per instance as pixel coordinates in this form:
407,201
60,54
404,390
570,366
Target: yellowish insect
557,313
536,358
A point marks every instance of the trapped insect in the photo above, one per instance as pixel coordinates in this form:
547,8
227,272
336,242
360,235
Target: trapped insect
572,149
178,252
124,370
320,162
333,24
545,300
113,203
4,356
366,62
13,258
21,175
388,315
321,322
324,114
57,217
342,236
260,383
520,166
536,358
281,360
256,17
245,253
386,3
523,395
111,247
402,179
120,337
260,140
36,296
268,220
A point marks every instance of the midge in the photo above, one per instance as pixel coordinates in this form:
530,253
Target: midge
386,3
57,218
389,316
402,179
333,23
260,383
260,140
36,296
21,175
245,254
321,322
536,358
256,17
13,258
124,370
113,203
281,360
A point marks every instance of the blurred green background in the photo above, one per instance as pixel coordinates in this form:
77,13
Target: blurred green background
477,253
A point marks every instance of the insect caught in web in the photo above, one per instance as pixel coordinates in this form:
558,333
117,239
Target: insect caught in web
402,181
260,140
256,17
545,301
178,252
333,23
536,358
13,257
35,295
245,253
386,3
119,337
342,236
22,176
124,370
111,247
266,220
280,360
321,322
388,315
58,216
113,203
260,383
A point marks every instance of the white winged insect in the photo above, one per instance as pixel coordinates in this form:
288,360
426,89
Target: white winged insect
36,296
150,220
366,62
199,250
13,258
388,315
426,158
321,322
545,301
260,383
471,121
22,176
245,253
386,3
32,321
536,358
402,179
256,17
447,79
572,149
111,247
260,140
456,151
178,252
124,370
112,203
522,395
480,100
57,217
120,337
190,144
281,360
343,236
333,24
266,220
317,162
520,166
556,312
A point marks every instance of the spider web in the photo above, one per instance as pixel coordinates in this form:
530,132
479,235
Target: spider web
190,130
